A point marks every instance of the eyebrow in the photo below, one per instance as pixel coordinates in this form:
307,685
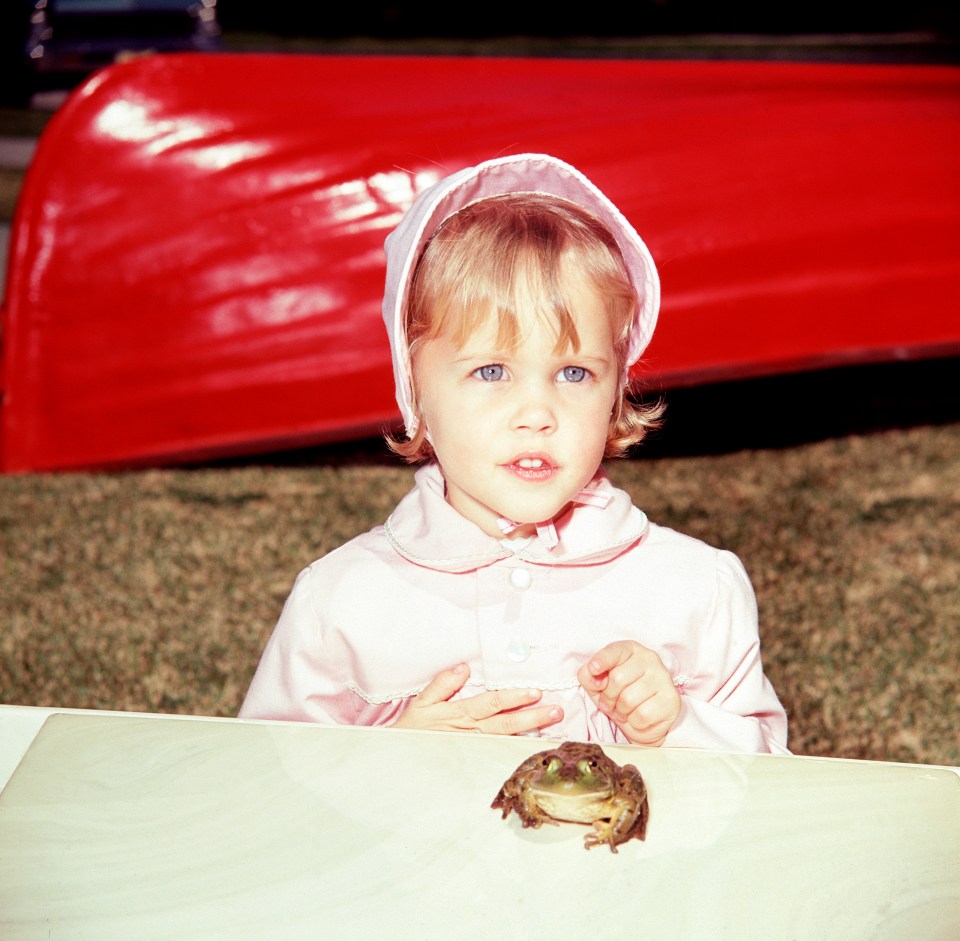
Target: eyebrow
502,355
480,357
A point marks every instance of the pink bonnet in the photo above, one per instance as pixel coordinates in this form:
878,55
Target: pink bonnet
521,173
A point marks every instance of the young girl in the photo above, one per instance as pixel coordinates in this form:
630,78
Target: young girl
514,590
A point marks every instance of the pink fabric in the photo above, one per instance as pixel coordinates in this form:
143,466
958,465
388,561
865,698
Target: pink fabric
367,627
546,531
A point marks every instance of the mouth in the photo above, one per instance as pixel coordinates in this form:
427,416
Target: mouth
532,467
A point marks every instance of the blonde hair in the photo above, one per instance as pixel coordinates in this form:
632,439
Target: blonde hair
478,259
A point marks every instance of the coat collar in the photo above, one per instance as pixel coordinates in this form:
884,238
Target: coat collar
427,531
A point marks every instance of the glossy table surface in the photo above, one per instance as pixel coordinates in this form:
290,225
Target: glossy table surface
122,826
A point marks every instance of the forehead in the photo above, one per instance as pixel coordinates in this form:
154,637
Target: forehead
571,314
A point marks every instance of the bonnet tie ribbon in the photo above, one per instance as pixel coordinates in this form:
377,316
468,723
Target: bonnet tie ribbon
546,531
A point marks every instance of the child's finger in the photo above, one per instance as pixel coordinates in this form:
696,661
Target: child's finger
485,706
497,712
650,724
636,702
645,712
501,712
591,683
444,685
607,672
609,657
520,721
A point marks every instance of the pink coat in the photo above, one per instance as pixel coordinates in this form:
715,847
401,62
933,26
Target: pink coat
367,626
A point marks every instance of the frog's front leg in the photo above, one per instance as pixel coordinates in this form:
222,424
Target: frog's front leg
516,795
628,819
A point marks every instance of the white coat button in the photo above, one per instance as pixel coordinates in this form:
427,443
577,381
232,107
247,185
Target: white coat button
518,650
521,579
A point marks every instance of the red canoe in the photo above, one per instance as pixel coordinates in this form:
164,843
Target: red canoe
196,262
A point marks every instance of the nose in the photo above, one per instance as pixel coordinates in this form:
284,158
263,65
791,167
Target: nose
534,411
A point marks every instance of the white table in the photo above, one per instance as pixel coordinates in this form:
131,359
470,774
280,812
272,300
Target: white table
146,827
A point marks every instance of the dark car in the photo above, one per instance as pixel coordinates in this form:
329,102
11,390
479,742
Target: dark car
56,43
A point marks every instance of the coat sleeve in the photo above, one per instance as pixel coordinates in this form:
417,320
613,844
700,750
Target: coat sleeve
296,679
727,703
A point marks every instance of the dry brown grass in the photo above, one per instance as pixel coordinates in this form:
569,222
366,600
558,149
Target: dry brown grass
157,590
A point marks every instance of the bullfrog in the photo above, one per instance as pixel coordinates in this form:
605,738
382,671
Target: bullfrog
578,783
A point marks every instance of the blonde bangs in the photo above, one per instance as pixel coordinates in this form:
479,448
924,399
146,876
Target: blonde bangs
486,257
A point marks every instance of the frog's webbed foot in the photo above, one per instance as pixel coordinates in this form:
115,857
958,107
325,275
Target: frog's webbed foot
602,833
628,823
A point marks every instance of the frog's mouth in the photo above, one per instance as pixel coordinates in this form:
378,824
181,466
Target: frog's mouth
573,805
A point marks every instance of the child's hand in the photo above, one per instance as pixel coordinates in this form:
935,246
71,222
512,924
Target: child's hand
499,712
630,684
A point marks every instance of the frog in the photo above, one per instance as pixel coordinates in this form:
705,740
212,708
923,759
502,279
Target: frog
578,783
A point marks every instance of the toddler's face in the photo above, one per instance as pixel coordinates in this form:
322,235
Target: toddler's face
519,432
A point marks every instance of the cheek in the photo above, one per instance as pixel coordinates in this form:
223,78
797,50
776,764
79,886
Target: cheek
426,397
606,406
443,420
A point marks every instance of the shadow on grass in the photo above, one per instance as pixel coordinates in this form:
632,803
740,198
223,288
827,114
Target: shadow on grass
790,410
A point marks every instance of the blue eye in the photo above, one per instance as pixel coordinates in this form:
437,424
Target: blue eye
491,373
572,374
